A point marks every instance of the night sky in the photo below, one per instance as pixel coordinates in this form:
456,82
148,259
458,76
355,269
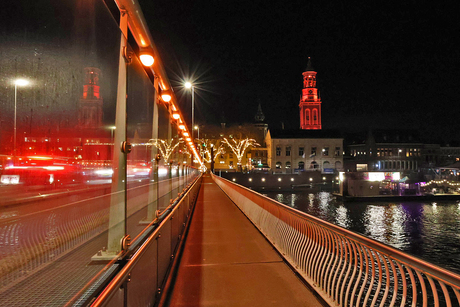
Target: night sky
387,65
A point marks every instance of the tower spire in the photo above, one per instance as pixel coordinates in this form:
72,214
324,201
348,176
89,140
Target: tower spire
309,67
259,115
310,102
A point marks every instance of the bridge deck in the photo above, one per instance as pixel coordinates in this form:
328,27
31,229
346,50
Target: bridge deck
227,261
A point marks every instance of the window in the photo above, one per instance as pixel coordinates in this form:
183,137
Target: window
326,151
230,155
288,151
301,165
278,164
313,151
337,151
301,151
278,151
288,164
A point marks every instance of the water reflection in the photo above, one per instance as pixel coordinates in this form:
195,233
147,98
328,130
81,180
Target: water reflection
427,230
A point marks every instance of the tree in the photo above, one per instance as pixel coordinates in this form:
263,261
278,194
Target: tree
239,146
166,147
205,147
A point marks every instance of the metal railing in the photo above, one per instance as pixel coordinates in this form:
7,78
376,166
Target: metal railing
140,281
345,268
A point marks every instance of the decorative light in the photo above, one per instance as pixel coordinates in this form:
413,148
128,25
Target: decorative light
188,139
185,133
182,127
176,115
166,97
146,58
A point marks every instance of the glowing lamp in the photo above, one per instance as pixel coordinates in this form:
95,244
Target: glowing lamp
188,84
21,82
188,139
186,133
176,115
146,59
182,127
166,97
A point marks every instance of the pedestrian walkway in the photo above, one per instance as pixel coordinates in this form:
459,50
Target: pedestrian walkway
227,262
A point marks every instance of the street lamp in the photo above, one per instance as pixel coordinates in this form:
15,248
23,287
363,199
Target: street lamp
197,128
17,82
190,85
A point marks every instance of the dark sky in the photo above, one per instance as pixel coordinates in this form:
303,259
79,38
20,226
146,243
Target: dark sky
380,64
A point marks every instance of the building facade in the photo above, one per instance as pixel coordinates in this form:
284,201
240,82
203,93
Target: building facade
303,150
387,150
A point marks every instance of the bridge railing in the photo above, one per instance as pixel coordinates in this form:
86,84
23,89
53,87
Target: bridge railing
142,278
32,240
345,268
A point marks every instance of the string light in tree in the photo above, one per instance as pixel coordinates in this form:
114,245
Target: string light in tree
205,147
166,148
239,147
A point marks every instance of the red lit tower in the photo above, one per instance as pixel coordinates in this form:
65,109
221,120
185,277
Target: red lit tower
310,103
90,106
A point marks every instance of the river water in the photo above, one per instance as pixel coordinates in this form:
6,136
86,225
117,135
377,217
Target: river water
428,230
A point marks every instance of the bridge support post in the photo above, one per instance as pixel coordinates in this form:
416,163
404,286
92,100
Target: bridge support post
117,217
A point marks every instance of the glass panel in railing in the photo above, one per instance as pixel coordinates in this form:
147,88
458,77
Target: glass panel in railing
141,184
58,92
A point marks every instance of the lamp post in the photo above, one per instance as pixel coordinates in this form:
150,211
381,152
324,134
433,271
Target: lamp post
190,85
197,128
17,82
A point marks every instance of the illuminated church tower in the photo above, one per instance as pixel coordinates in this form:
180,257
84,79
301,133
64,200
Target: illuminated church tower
310,103
90,106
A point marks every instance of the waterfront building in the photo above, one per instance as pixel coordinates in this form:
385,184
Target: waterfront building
386,150
292,151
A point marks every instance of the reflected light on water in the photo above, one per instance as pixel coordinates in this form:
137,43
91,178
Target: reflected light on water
342,218
375,222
